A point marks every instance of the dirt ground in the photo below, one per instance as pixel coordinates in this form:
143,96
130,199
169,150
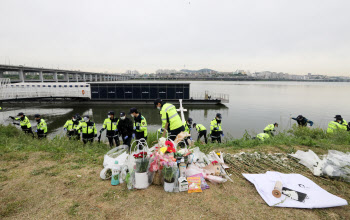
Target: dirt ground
34,187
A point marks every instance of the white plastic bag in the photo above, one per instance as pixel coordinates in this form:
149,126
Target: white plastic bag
117,153
310,160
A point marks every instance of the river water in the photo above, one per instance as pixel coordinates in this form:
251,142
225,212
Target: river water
252,106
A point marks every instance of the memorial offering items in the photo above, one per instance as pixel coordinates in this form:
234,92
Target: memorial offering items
293,191
166,164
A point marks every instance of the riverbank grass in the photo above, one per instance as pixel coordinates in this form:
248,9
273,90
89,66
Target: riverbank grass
59,179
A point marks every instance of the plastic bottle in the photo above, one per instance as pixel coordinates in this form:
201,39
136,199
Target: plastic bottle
122,175
115,174
182,168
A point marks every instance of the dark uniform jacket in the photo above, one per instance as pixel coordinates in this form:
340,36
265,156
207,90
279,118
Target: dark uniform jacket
125,127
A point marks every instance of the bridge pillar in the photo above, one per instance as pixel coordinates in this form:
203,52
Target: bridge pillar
90,77
41,78
55,77
76,77
101,78
1,74
66,77
96,77
21,75
84,77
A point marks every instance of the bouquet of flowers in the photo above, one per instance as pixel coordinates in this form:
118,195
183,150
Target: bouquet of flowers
142,162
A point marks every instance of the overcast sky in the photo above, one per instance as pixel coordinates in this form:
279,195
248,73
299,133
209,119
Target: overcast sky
294,36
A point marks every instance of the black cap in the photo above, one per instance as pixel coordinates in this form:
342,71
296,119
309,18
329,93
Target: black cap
86,116
21,113
190,120
157,101
338,117
133,110
111,113
300,116
37,116
218,115
122,114
74,116
194,124
276,123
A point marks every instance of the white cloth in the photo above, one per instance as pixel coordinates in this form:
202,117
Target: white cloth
316,196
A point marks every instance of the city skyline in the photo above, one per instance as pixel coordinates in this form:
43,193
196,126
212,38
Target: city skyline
279,36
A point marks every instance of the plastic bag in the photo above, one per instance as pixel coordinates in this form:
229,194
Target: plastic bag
111,156
335,164
215,179
192,169
310,160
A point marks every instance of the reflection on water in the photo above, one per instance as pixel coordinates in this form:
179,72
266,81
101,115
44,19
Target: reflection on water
252,106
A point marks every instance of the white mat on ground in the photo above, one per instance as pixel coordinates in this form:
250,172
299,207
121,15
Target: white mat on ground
316,196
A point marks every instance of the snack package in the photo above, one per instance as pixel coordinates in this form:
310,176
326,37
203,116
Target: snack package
194,184
204,184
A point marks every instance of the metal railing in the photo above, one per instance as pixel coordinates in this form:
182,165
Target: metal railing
210,96
44,90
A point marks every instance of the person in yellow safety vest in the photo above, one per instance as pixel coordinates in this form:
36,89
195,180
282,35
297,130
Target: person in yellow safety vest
270,129
188,128
169,117
202,131
71,128
110,124
23,122
140,125
41,128
339,123
215,129
263,136
88,129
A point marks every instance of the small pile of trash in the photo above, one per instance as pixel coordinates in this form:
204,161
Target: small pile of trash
334,164
166,163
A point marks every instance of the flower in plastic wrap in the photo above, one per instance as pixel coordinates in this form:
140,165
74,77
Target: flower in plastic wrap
163,150
170,147
161,142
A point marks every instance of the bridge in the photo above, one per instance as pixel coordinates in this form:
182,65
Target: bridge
36,74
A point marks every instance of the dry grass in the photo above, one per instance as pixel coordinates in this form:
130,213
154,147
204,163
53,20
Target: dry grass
33,186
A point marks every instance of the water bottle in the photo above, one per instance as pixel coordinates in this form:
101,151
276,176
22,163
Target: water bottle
115,174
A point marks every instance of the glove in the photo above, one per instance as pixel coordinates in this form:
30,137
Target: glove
191,139
102,129
116,130
190,129
36,131
65,129
95,135
137,128
133,136
11,117
222,134
215,129
126,137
